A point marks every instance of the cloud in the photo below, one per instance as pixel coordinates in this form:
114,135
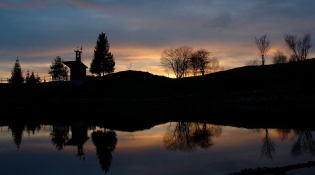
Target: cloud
221,21
39,30
22,4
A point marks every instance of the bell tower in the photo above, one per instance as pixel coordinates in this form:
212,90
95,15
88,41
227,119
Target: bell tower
78,54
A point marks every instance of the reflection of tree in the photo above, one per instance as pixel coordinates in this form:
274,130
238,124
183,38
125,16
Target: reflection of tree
17,133
179,138
187,136
304,143
203,133
283,133
268,146
32,127
105,143
59,136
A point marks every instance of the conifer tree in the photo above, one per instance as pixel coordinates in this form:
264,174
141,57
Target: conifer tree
27,77
16,73
103,60
58,70
32,79
37,79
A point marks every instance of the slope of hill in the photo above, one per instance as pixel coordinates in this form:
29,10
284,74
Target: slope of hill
256,94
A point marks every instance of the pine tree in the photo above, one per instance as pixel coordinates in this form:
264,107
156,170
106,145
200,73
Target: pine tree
103,60
37,79
27,77
16,73
58,70
32,79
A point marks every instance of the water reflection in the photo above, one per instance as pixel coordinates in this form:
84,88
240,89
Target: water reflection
17,133
105,143
178,136
304,144
79,137
268,147
188,136
59,136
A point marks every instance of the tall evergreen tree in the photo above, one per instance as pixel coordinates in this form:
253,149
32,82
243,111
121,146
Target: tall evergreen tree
103,60
58,70
16,73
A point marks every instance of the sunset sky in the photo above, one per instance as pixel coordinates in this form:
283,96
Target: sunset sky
37,31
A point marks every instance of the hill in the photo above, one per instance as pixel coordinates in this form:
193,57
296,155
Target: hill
256,94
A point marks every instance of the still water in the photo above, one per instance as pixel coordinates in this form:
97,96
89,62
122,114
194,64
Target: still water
172,148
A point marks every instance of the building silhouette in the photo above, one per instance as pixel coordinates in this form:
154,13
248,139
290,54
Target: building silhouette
77,68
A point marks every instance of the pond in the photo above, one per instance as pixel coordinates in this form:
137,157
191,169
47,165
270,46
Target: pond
170,148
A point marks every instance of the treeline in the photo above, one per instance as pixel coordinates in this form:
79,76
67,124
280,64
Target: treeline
182,61
298,49
103,62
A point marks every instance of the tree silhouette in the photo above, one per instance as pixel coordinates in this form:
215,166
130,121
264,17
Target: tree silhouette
199,61
59,136
180,138
204,133
105,143
58,70
188,136
268,146
17,133
213,66
263,46
16,73
279,57
31,79
103,60
283,133
305,142
254,62
298,46
177,60
32,127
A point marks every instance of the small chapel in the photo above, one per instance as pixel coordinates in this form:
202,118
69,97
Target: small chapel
77,68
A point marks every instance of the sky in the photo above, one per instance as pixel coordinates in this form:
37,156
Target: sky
37,31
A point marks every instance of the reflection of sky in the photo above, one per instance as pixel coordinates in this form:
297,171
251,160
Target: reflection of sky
143,152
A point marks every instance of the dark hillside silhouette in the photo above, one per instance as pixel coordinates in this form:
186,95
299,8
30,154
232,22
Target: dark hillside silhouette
256,94
130,76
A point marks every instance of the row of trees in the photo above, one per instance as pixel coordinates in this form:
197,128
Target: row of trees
102,63
184,61
298,48
17,75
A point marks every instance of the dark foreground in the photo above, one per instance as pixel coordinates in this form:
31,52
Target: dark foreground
271,96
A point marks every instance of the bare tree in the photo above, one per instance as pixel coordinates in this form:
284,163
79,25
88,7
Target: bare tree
298,46
199,61
213,65
268,147
304,45
194,63
204,60
279,57
263,46
177,60
254,62
291,42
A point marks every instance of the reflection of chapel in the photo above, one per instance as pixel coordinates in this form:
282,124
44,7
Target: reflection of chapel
79,137
77,68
